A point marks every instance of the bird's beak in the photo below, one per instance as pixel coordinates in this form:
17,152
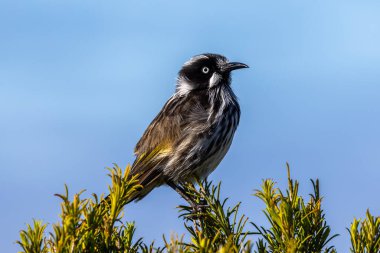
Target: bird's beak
234,65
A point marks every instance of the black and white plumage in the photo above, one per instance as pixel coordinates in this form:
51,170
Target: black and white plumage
194,130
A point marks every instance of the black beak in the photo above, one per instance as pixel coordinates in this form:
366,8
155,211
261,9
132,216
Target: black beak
234,65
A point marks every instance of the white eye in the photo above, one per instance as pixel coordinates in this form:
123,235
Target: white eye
205,70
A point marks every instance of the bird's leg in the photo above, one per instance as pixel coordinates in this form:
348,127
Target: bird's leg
196,208
181,191
202,203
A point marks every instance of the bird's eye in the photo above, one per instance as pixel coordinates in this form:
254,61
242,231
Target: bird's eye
205,70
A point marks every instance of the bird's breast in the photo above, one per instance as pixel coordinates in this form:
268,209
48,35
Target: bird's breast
218,142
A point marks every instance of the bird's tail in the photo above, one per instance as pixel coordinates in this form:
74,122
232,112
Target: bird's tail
147,171
147,183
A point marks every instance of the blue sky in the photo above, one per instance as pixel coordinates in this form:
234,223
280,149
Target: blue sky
80,81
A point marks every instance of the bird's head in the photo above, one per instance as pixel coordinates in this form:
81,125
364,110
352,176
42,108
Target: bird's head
206,71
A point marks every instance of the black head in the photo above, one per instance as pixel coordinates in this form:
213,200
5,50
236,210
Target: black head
206,71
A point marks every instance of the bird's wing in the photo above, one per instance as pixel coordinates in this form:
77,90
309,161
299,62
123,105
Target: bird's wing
162,131
178,116
155,145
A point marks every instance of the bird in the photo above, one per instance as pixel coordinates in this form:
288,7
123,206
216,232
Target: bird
193,131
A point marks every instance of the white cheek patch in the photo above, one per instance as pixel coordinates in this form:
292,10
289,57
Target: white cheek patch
214,80
183,87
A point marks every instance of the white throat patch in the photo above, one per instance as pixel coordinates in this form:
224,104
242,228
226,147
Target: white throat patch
214,80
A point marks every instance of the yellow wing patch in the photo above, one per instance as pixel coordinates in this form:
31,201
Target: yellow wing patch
160,150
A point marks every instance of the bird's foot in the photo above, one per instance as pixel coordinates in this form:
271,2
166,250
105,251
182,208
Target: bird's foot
199,208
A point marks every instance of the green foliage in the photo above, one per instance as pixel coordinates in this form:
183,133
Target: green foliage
213,227
365,235
89,225
296,226
97,224
32,239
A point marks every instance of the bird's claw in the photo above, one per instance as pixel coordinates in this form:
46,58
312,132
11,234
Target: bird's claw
199,208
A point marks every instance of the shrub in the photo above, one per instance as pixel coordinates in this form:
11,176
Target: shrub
97,224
